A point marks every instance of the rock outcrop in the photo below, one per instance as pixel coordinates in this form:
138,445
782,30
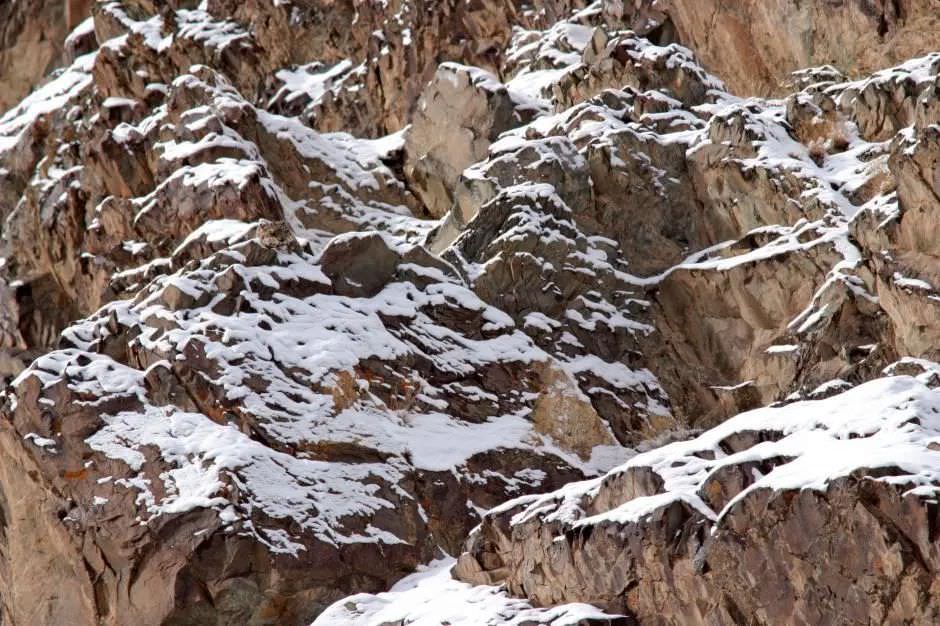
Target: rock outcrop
36,39
754,45
292,417
297,299
692,533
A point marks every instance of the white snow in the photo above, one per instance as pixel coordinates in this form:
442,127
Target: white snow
301,347
888,422
317,495
53,96
431,597
911,283
312,80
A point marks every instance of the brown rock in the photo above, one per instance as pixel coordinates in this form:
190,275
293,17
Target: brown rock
460,113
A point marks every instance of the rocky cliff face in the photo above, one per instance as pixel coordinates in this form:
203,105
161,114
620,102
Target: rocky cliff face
754,45
37,37
470,313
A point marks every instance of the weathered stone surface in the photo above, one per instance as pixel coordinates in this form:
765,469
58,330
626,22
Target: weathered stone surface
694,532
780,36
257,533
460,113
33,43
292,293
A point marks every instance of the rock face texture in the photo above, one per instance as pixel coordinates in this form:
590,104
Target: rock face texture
755,44
475,313
692,533
35,38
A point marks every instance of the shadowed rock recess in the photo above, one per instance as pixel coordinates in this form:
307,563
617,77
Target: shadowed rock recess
414,312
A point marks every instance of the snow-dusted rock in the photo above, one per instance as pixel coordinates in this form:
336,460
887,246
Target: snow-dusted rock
34,39
348,423
431,597
291,293
755,44
814,512
459,114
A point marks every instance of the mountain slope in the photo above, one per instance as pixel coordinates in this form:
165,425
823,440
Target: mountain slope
299,299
